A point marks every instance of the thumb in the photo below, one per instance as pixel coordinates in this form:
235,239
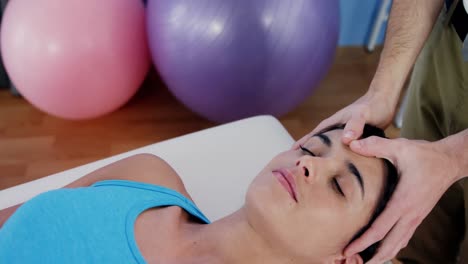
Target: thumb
353,129
375,147
301,141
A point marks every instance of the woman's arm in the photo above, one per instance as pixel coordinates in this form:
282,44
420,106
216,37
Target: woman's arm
146,168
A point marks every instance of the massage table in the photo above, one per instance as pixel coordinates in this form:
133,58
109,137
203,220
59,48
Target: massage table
216,164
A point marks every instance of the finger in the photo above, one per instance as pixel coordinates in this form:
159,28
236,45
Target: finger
405,241
378,230
353,129
322,125
376,147
301,141
401,245
337,118
413,225
391,245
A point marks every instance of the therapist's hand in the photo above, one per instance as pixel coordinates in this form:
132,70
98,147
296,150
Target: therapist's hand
372,108
426,171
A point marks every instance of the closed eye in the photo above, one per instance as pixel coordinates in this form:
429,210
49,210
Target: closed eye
338,187
308,151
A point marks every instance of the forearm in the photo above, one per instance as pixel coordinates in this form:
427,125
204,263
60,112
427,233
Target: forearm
457,147
409,26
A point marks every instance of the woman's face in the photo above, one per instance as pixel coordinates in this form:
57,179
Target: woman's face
310,205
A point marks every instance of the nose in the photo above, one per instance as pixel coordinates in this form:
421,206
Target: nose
315,168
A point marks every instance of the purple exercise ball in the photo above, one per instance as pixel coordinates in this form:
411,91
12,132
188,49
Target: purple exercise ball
232,59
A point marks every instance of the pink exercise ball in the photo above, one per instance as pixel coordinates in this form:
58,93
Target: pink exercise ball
75,59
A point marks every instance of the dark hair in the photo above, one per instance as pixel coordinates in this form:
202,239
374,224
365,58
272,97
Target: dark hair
389,187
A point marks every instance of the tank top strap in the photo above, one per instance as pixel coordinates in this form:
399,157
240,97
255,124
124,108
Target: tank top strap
174,197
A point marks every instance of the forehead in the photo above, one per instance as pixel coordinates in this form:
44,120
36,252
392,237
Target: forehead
372,169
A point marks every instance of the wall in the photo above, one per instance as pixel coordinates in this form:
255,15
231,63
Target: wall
357,17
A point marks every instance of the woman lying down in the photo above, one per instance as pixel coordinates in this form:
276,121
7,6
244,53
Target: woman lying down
305,206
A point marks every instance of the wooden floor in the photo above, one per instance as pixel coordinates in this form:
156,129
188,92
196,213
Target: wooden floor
34,145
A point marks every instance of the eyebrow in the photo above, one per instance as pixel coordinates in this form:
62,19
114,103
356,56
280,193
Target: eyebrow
325,139
358,176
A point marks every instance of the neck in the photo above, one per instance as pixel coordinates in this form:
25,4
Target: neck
230,240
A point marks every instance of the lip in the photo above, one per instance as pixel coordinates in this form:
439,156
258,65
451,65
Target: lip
286,179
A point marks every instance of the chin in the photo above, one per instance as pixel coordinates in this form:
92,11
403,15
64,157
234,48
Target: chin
268,210
264,197
272,225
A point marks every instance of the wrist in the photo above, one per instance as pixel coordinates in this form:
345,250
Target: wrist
455,147
386,91
388,80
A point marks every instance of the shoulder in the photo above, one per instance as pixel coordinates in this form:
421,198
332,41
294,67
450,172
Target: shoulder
150,169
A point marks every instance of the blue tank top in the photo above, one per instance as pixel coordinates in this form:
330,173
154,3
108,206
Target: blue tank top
85,225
